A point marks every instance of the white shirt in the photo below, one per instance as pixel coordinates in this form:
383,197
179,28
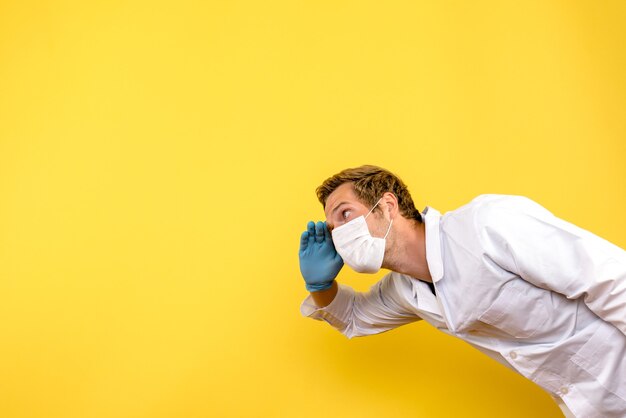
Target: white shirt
541,295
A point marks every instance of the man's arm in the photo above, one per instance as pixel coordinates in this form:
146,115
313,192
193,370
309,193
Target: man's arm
324,298
383,307
523,237
352,313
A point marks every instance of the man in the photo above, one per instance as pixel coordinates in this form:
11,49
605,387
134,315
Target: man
536,293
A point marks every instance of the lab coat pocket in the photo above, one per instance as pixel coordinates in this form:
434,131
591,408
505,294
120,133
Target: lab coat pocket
519,311
603,357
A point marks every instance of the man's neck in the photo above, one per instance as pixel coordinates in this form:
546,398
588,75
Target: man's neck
409,254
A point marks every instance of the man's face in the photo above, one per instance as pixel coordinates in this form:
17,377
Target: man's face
342,206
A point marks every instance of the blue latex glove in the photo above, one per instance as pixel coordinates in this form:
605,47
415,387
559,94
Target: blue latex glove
319,261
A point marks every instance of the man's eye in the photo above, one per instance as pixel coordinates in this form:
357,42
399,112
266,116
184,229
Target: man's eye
346,213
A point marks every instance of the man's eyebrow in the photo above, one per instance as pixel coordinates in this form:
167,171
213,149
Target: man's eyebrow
337,207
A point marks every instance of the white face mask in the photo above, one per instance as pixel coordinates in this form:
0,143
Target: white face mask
358,248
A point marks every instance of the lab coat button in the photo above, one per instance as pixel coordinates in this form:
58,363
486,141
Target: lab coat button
513,355
564,390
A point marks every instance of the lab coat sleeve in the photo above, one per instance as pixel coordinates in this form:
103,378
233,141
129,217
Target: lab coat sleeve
523,237
357,314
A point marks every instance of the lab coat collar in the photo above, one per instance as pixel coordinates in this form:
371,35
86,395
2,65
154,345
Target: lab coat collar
433,243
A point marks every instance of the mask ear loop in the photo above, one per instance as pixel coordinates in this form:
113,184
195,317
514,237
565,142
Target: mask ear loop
388,229
368,213
390,222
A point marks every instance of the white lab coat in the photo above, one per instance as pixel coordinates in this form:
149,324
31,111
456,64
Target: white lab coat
536,293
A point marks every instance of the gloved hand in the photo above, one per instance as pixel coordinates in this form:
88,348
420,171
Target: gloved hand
319,261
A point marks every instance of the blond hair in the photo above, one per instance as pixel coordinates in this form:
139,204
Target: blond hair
370,183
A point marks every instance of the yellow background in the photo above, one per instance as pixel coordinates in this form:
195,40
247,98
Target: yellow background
158,162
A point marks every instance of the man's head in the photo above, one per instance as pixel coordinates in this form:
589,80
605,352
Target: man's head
354,191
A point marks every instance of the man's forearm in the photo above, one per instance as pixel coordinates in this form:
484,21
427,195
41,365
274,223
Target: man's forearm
325,297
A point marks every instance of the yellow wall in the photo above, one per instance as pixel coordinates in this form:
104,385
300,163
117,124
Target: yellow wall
158,162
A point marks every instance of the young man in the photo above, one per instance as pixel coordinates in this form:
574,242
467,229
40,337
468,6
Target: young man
536,293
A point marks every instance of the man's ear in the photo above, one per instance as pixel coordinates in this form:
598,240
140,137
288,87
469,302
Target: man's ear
391,201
